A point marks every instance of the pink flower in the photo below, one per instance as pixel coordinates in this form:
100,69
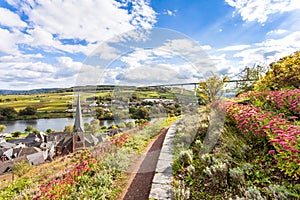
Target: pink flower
271,151
282,143
294,150
275,140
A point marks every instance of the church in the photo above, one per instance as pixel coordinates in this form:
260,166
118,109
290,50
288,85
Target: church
77,139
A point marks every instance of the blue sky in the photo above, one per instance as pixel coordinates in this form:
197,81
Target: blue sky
51,43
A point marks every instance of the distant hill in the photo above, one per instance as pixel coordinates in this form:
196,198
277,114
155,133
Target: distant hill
47,90
33,91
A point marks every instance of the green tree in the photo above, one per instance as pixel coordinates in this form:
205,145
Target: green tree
2,128
100,113
123,125
35,131
87,127
210,89
251,74
29,110
283,74
49,130
95,126
130,125
8,113
16,134
29,129
21,168
68,128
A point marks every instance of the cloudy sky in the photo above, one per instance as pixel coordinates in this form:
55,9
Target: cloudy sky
47,43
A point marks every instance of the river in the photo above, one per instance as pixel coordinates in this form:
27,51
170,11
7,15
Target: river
57,124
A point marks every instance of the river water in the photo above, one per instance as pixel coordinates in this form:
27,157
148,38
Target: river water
57,124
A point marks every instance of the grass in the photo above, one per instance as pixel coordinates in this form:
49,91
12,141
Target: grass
105,181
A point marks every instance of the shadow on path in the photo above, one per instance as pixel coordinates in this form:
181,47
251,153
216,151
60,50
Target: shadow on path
140,186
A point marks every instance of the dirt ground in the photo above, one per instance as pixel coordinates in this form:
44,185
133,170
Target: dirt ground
139,182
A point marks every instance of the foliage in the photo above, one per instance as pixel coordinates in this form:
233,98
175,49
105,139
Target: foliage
250,73
140,112
28,129
130,125
261,126
284,101
68,128
245,163
8,113
21,168
29,110
94,125
2,128
96,173
16,134
283,74
16,187
209,90
49,130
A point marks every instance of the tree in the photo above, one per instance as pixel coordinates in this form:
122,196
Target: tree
210,89
8,113
29,110
35,131
283,74
130,125
68,128
16,134
95,126
100,113
49,130
29,129
87,127
254,73
123,125
2,128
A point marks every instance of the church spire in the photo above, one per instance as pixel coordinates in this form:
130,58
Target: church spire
78,126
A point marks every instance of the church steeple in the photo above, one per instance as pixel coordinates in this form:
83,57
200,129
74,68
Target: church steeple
78,124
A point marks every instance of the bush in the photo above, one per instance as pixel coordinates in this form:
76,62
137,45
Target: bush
20,168
16,134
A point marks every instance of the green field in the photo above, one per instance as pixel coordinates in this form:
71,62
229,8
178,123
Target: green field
50,105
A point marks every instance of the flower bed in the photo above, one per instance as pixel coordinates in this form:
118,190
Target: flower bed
285,101
283,136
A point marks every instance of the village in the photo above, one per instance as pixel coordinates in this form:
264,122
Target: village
41,147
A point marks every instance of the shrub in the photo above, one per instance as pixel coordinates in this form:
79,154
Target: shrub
16,134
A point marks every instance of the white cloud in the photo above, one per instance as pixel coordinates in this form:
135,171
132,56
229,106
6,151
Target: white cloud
206,47
276,32
234,48
52,26
170,12
270,50
258,10
87,19
10,19
10,40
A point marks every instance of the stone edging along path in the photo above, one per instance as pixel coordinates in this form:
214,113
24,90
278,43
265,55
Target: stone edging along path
161,184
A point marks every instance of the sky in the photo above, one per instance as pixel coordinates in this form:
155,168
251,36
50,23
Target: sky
58,43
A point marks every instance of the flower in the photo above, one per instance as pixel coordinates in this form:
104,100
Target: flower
271,151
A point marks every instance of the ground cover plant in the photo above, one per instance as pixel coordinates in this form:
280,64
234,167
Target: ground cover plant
256,157
97,173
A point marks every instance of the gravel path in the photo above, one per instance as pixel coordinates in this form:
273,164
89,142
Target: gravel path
139,184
